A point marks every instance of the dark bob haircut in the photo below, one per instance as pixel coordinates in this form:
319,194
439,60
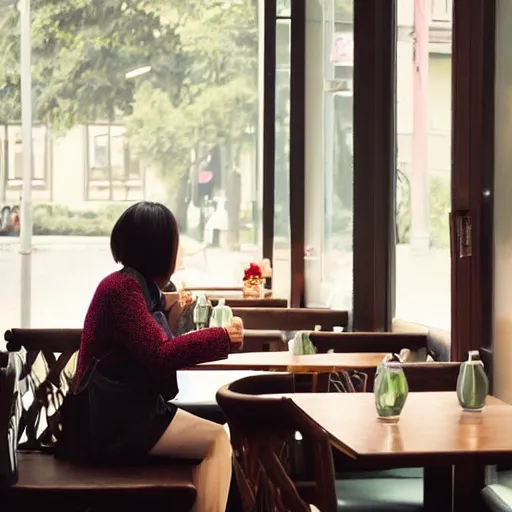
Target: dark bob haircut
146,238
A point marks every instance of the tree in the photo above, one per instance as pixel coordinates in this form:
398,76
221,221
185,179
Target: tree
216,105
81,52
344,10
201,93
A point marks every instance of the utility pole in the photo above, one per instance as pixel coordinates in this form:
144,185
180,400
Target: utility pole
27,161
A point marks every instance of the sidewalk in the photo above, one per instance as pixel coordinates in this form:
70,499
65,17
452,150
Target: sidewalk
42,240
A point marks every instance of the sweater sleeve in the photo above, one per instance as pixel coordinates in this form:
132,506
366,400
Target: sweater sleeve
144,338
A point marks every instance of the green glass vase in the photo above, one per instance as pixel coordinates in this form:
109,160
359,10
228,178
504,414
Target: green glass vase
222,315
390,389
302,344
472,383
201,312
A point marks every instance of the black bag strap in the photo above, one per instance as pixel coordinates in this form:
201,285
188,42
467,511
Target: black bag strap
90,370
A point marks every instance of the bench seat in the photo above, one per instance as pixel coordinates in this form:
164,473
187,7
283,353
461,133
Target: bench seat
45,472
45,481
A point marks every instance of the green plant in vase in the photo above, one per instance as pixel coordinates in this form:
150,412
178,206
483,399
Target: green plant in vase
390,388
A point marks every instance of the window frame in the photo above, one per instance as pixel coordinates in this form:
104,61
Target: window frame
111,180
15,183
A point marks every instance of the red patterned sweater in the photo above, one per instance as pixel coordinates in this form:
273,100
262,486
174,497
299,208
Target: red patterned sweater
118,318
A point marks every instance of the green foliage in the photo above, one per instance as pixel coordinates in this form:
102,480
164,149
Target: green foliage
439,205
60,220
81,51
344,10
201,92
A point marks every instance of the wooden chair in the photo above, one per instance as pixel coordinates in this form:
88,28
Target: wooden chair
291,319
41,383
268,456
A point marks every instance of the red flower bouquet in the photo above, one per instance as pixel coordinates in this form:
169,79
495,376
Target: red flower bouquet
253,271
253,282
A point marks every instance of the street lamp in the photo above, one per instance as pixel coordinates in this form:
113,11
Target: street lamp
138,72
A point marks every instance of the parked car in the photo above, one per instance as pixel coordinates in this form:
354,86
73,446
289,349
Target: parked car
9,220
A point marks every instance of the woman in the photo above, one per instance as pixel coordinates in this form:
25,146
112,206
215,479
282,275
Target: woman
126,332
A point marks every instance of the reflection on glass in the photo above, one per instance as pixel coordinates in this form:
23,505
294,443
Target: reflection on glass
281,281
329,153
184,133
424,57
283,7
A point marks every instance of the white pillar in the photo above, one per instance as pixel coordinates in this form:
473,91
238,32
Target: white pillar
27,161
314,150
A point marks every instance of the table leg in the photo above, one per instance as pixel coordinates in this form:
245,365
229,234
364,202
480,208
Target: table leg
468,481
314,382
437,488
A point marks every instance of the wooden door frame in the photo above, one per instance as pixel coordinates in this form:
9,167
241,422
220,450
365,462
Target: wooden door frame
374,163
473,172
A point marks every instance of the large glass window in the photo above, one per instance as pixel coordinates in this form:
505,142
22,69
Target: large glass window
282,244
329,152
424,61
145,100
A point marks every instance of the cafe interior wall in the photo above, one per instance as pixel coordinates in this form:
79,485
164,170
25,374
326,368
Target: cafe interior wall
502,342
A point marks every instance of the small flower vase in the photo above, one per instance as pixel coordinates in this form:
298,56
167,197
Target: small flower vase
253,289
390,389
222,315
302,344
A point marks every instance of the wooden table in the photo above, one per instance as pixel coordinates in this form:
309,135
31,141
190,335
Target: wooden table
433,432
287,362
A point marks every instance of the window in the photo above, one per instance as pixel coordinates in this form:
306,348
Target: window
112,173
423,162
11,151
167,111
282,245
329,153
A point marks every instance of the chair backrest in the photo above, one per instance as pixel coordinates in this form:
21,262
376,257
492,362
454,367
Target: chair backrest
263,431
345,342
424,377
264,341
291,319
48,369
48,340
10,410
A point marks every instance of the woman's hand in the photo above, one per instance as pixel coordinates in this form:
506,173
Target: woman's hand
170,299
176,302
185,298
236,333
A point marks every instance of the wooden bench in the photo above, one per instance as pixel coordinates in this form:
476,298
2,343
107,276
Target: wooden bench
346,342
291,319
59,340
253,303
41,380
